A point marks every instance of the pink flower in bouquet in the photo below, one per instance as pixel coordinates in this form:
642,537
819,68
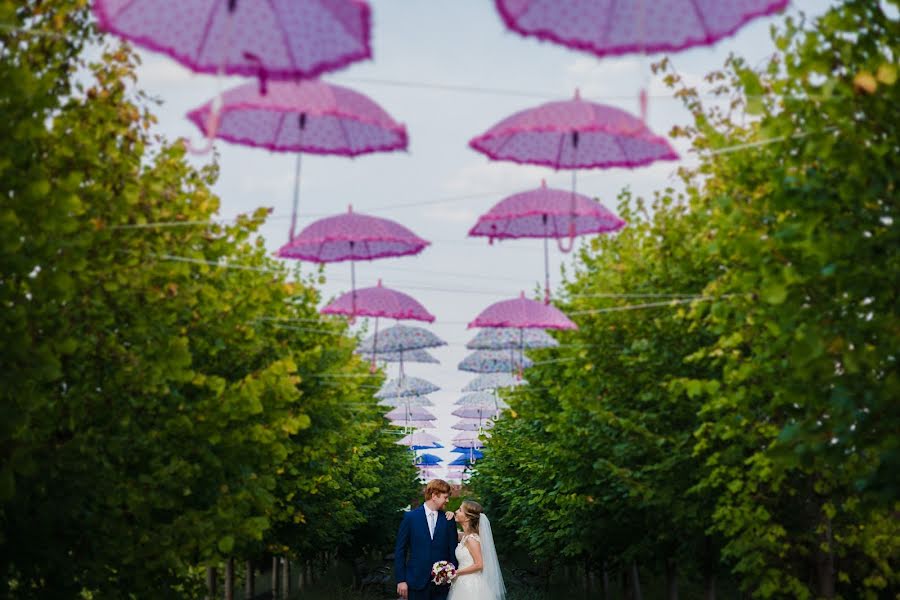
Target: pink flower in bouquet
443,572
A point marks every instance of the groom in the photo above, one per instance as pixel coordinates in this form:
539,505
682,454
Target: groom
427,537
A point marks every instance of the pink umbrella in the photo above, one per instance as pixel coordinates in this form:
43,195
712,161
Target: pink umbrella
306,116
545,213
379,301
352,236
280,39
523,313
611,28
574,134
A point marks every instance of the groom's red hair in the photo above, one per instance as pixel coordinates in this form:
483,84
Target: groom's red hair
436,486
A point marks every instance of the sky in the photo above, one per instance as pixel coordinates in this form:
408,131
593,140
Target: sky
448,70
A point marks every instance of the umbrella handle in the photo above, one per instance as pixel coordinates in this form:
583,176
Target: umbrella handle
572,216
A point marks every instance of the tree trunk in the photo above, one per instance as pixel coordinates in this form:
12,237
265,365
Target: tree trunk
274,577
211,583
709,569
607,592
636,581
250,583
671,579
825,562
627,588
285,578
229,579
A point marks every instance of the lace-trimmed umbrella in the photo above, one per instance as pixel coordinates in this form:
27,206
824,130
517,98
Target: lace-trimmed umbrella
498,338
408,356
280,39
494,361
545,213
606,28
522,313
411,413
413,424
468,440
412,401
399,338
405,387
472,425
420,441
493,381
471,451
482,399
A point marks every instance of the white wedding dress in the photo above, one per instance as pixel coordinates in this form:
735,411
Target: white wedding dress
486,584
473,585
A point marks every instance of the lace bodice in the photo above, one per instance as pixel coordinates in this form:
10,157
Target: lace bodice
463,556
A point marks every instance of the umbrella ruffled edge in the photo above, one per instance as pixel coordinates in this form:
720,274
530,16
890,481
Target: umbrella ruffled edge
509,19
105,23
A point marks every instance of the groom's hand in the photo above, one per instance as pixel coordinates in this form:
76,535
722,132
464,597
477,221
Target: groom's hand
403,590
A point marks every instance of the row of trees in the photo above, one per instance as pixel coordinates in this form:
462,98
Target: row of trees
749,431
158,412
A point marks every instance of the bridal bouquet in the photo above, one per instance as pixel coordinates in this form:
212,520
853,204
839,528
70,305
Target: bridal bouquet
443,572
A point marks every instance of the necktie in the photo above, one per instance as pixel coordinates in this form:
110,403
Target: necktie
431,524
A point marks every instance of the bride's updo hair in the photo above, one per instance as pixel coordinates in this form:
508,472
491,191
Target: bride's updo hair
473,511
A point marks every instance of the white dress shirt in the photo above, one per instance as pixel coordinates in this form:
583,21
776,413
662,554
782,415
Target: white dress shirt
431,516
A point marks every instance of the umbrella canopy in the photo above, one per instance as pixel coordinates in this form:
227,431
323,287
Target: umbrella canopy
626,26
574,134
409,356
427,472
283,39
461,461
413,424
545,213
482,413
477,454
522,313
426,459
352,236
486,399
399,338
472,425
493,381
412,401
498,338
494,361
412,413
404,387
421,440
468,440
379,301
307,116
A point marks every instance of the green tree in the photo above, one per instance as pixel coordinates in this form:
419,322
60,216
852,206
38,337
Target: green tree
159,411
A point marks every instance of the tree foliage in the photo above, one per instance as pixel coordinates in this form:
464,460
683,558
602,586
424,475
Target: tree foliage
159,410
765,413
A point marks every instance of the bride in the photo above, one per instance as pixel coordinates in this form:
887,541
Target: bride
478,576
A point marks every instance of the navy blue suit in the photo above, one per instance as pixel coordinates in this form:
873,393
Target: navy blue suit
414,540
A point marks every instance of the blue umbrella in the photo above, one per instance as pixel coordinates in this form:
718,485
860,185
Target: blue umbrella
461,461
428,460
494,361
474,453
